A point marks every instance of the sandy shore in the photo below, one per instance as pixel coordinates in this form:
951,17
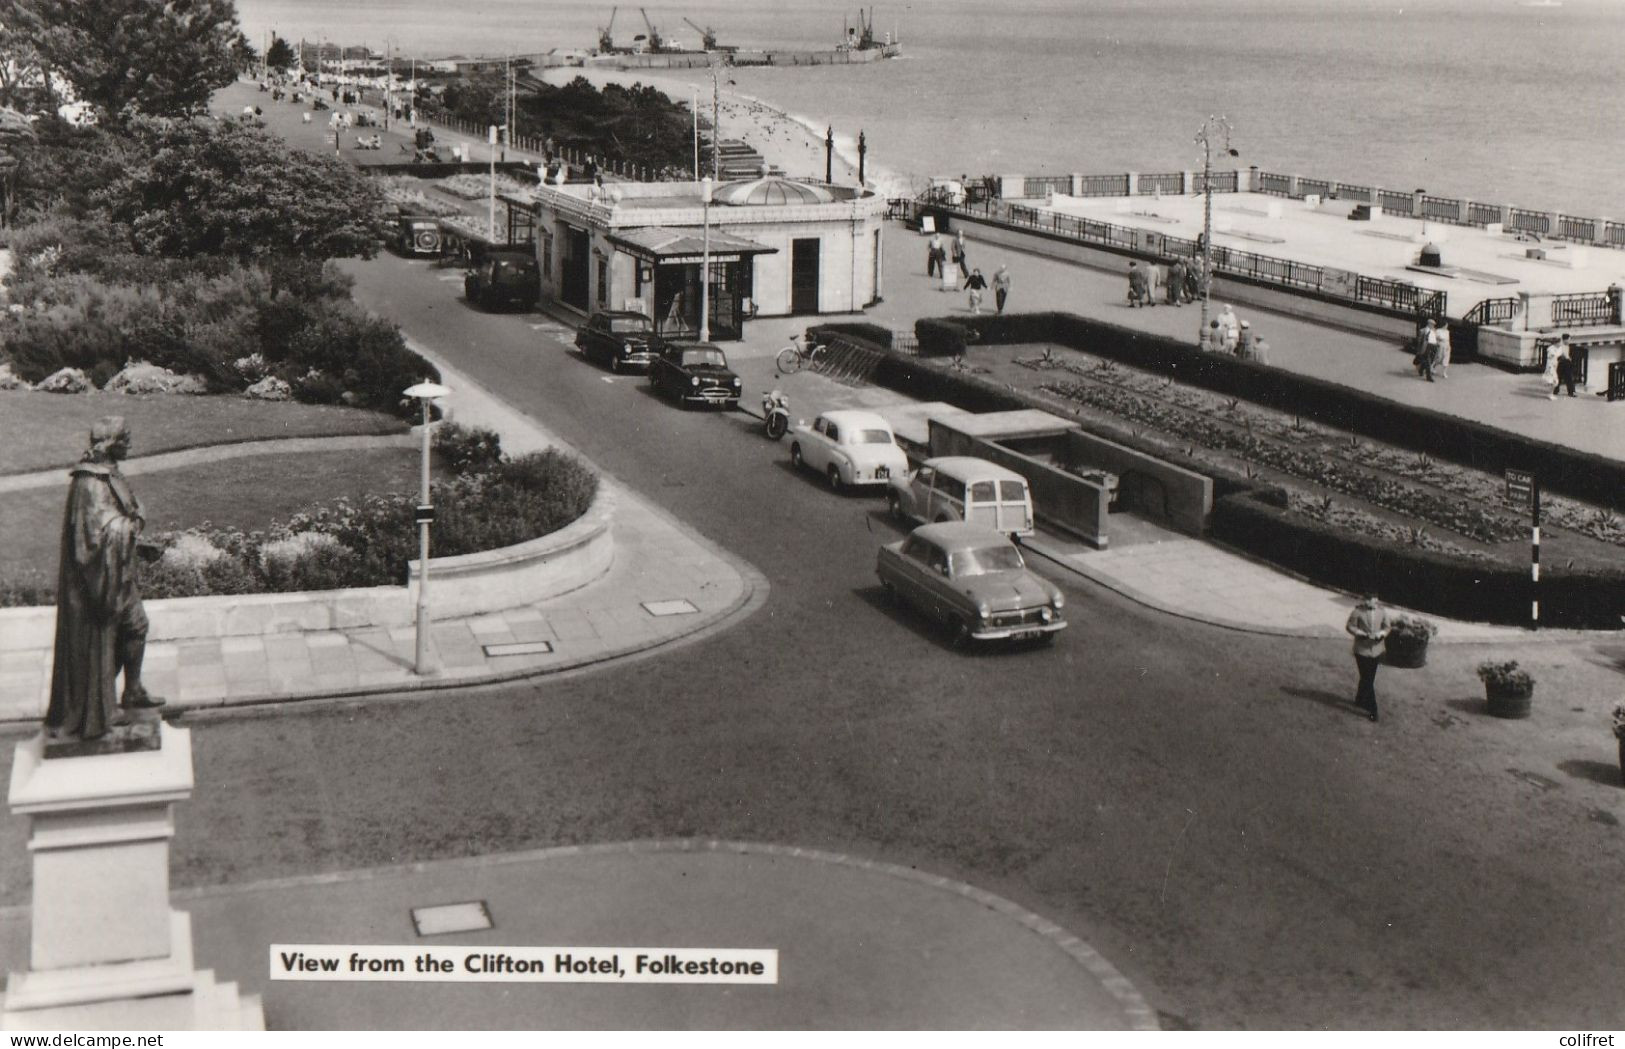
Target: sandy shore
786,140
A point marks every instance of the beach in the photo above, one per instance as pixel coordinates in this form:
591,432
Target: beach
785,140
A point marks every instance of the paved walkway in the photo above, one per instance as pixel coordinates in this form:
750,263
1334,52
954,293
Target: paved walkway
909,950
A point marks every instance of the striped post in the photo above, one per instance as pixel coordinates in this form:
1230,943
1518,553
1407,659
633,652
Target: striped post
1534,556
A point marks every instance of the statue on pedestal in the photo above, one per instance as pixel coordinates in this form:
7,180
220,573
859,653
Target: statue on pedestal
101,625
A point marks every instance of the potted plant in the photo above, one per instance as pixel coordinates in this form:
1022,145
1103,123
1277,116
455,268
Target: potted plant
1619,734
1408,638
1507,687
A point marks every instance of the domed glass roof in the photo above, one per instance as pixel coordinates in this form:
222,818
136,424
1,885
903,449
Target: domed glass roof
771,189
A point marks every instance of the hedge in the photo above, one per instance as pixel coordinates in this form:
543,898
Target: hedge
869,333
1581,475
1414,577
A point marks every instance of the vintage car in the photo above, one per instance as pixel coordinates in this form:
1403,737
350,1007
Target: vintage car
624,341
695,373
963,488
419,235
503,278
973,581
848,448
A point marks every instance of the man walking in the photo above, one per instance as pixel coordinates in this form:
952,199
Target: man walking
1176,283
1139,286
1565,365
1001,286
1369,625
976,283
1427,354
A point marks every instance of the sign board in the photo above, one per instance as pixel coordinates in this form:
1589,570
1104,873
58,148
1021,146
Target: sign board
423,515
928,224
1148,240
1520,487
1344,283
686,260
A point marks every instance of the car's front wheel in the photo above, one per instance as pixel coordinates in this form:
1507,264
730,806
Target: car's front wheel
834,475
615,363
959,632
894,506
795,457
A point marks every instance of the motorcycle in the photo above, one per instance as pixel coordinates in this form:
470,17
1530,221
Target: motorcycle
776,413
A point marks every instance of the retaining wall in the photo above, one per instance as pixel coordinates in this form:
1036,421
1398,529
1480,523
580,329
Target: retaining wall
469,584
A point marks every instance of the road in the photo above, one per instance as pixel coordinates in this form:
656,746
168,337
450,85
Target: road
1200,805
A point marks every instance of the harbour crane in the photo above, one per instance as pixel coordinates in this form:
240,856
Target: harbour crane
606,34
708,36
657,43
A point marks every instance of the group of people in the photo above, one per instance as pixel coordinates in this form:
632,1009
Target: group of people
1560,370
942,260
1433,351
1228,334
1178,283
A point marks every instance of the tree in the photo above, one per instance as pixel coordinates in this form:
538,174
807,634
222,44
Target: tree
229,188
160,57
280,55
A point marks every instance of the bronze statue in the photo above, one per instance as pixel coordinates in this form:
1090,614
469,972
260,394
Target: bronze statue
101,626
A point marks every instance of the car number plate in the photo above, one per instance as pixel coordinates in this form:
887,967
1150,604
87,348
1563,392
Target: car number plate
1026,635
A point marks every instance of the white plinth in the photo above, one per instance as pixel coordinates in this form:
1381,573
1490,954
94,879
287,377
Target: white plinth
106,950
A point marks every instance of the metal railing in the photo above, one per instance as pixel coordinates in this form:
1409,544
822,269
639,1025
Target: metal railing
1104,186
1570,227
1314,187
1529,221
1613,234
1583,310
1442,209
1170,184
1267,269
1358,194
1482,214
1035,186
1223,182
1279,185
1492,311
1394,202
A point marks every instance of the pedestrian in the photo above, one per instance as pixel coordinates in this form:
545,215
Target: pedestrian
1369,625
959,255
1231,328
1001,286
1565,366
1261,350
1427,350
935,255
1176,282
1215,337
1442,366
976,283
1195,286
1548,375
1139,286
1244,341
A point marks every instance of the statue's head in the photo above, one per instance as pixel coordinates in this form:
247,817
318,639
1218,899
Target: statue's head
109,439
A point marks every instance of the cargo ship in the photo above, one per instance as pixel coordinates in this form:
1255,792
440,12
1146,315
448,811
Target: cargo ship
652,50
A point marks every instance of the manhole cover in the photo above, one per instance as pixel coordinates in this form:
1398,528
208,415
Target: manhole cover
519,648
451,917
677,607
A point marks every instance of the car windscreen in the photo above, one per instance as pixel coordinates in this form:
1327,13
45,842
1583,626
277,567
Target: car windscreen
629,325
985,559
872,437
714,358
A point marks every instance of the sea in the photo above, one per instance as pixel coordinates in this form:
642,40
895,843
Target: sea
1499,101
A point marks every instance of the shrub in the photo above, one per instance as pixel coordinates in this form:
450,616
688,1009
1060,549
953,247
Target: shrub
870,333
466,449
1506,677
1412,628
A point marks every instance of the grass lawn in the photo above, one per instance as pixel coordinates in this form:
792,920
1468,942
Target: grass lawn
239,493
42,430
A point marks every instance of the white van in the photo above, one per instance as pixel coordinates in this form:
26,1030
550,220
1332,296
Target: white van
962,488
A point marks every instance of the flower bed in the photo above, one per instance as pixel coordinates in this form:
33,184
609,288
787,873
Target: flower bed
1290,448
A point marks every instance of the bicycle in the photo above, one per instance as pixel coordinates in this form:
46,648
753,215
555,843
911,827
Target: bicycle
795,356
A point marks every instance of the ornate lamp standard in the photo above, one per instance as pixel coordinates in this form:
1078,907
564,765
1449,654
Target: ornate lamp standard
426,392
1210,127
705,261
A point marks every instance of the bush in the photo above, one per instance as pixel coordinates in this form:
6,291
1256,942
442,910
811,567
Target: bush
870,333
1506,677
466,449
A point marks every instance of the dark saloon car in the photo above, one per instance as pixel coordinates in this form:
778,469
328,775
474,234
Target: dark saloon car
503,278
973,581
419,235
622,340
695,373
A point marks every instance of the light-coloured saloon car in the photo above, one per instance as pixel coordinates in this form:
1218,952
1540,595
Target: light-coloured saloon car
973,581
848,448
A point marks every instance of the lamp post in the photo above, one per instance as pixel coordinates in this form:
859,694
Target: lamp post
1210,127
494,134
426,392
705,261
695,91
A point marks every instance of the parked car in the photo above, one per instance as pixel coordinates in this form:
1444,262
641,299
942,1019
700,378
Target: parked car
419,236
695,373
964,488
503,278
973,581
622,340
848,448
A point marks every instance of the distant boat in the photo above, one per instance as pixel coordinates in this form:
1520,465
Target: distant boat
1540,3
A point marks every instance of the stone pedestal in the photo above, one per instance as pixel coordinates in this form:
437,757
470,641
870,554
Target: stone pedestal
106,950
